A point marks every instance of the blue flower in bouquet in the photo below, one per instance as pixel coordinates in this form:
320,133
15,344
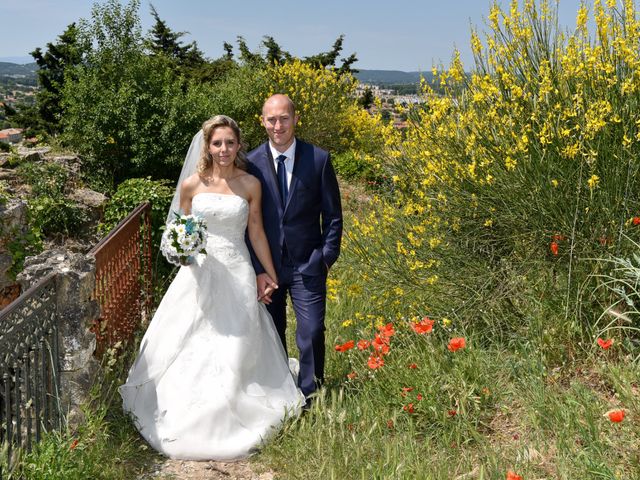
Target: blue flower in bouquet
183,238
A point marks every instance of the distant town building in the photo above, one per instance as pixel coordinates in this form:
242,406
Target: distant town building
11,135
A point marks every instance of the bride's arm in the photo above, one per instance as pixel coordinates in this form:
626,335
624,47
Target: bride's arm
257,237
186,193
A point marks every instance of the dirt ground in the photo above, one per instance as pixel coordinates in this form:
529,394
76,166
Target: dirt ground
188,470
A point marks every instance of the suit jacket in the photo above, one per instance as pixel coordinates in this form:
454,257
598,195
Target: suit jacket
310,224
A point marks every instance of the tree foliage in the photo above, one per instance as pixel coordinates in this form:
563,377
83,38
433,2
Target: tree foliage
163,41
127,111
59,58
132,101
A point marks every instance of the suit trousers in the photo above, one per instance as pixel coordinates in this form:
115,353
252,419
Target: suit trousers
309,297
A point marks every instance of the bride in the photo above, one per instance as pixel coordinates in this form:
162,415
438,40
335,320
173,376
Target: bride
211,380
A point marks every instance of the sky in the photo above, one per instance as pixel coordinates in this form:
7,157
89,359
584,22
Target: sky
407,35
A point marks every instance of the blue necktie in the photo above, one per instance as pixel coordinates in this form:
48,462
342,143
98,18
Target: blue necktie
282,179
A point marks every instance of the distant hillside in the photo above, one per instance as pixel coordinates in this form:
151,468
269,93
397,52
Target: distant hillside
7,68
391,77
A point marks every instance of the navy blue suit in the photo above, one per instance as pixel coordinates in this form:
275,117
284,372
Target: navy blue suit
304,237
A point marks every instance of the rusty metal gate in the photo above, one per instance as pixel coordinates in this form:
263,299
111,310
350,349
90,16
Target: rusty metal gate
123,278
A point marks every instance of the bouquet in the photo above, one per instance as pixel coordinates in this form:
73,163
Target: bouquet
183,238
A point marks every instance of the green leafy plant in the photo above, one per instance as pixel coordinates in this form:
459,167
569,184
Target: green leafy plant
45,178
350,166
53,215
4,194
132,193
22,246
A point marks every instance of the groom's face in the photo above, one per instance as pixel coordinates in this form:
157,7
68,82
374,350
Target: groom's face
280,122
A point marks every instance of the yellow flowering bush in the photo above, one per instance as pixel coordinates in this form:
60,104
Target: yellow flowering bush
330,115
529,163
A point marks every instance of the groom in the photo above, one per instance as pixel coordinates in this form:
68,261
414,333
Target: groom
302,218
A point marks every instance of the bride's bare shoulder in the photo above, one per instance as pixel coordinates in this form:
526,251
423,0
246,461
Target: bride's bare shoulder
249,180
190,183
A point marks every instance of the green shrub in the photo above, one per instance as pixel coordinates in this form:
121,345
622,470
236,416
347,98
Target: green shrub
132,193
4,194
53,215
350,166
126,111
5,147
519,172
49,179
22,246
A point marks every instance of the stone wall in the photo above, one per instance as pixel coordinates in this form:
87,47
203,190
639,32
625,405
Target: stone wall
13,214
76,312
12,223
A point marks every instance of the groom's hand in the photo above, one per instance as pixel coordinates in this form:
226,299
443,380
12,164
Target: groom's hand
266,287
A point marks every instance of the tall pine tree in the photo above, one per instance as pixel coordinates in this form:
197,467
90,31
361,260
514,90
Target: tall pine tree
58,61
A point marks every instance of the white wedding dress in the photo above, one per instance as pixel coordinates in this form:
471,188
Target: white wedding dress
211,380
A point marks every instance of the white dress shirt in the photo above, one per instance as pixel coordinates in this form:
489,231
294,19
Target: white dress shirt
288,163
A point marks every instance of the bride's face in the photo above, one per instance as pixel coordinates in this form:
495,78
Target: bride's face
223,146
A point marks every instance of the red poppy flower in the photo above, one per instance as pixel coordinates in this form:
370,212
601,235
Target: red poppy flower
74,444
554,248
605,344
381,344
412,366
419,397
345,346
387,331
375,361
408,408
352,375
512,476
380,340
456,344
405,390
363,344
452,413
424,326
636,221
616,416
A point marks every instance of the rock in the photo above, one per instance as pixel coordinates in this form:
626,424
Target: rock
13,219
89,198
6,261
13,214
59,260
9,176
77,311
33,154
71,163
92,204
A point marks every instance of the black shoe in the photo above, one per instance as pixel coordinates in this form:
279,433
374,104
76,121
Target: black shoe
307,405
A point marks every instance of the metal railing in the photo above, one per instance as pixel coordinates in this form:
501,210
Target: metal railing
123,278
29,369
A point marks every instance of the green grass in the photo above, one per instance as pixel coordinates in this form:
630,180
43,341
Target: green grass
529,392
105,446
515,410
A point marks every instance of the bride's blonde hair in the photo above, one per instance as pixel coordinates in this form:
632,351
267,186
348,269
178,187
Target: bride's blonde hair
208,127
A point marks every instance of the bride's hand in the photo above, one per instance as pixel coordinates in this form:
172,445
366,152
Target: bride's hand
266,286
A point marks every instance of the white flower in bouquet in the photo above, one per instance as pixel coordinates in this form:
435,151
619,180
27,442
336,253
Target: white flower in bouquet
183,238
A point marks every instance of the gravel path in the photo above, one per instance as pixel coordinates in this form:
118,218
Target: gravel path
188,470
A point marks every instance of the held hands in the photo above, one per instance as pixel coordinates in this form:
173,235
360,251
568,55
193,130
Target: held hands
266,287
